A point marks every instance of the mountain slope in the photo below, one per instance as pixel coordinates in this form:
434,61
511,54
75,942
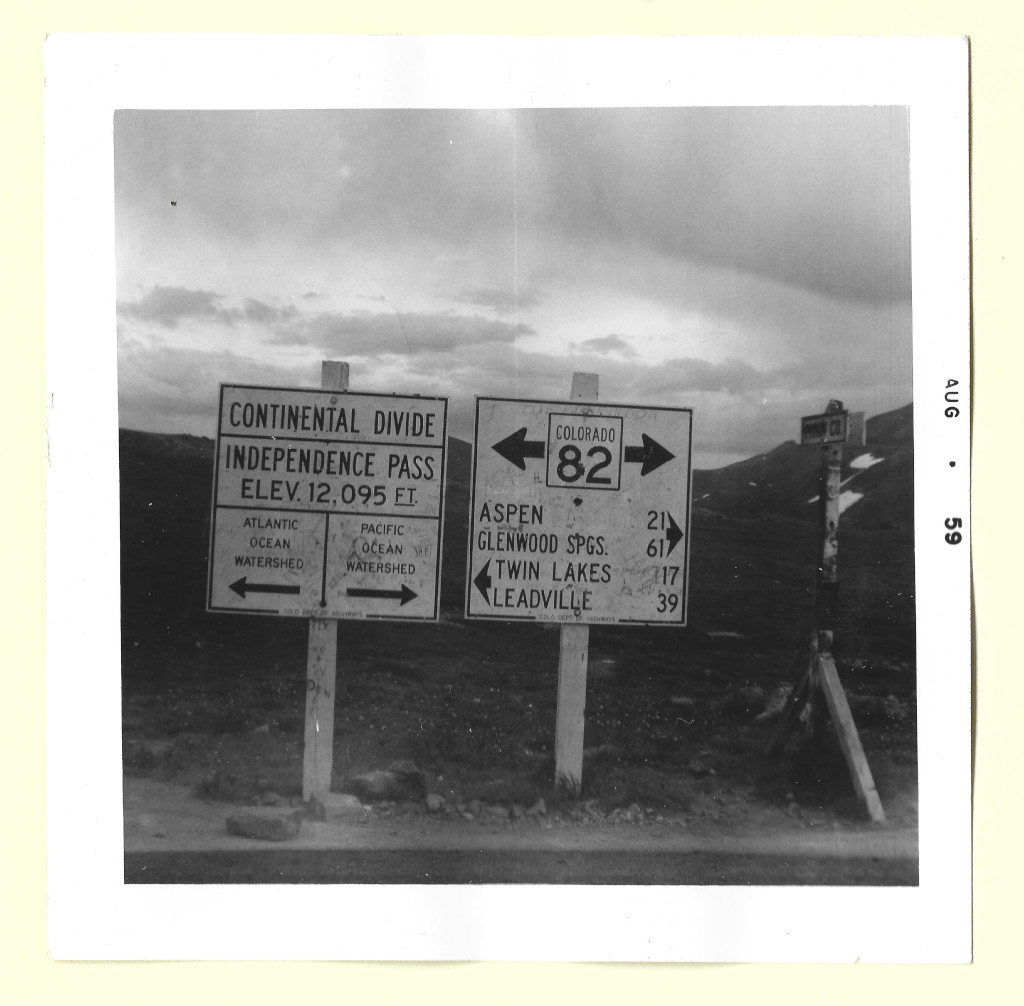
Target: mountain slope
786,480
754,541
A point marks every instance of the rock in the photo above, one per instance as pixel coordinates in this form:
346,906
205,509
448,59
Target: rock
682,701
325,806
538,809
272,799
744,702
315,810
269,824
497,810
401,781
143,754
602,752
634,813
517,810
776,702
434,802
895,709
696,767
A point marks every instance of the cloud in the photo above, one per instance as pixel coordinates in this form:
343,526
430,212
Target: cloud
265,314
497,298
732,376
605,344
811,196
168,305
409,333
166,387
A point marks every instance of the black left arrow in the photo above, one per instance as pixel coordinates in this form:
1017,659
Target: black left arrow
241,588
482,581
652,455
405,595
516,447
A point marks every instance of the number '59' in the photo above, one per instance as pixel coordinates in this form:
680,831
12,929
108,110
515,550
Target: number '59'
954,537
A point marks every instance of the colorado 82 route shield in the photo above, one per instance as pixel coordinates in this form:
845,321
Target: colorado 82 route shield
580,512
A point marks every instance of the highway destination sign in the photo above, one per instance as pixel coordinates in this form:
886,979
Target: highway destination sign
327,504
580,512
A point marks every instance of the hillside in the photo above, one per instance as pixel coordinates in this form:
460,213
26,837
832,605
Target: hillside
753,553
217,701
878,480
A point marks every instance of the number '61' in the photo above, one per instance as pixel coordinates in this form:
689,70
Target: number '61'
955,537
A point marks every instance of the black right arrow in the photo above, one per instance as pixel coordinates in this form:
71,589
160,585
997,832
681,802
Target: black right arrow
673,535
652,454
482,581
516,447
240,587
405,595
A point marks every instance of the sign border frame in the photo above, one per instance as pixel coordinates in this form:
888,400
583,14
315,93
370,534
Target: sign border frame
684,607
272,612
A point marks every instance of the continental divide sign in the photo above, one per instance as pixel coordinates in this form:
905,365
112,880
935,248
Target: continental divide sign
327,504
580,512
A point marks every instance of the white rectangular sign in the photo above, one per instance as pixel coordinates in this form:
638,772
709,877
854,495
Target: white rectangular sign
327,504
580,512
832,428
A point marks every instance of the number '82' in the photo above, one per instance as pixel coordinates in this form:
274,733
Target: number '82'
571,467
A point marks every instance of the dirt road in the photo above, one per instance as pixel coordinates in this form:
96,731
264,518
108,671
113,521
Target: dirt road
173,837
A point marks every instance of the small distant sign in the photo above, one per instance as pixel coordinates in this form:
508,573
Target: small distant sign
327,504
832,428
580,512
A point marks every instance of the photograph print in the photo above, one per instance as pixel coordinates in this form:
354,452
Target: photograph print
517,496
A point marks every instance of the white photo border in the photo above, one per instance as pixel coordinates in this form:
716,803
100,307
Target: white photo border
92,913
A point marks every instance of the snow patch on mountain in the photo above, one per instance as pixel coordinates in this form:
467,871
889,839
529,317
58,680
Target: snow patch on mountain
847,499
864,461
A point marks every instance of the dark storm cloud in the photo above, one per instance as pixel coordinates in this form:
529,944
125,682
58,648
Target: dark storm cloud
172,388
605,344
168,305
815,197
407,333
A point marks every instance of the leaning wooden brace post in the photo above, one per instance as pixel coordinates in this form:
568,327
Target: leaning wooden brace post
574,644
321,659
820,687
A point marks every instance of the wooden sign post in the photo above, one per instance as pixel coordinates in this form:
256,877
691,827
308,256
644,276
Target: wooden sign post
821,681
573,655
321,662
579,515
327,505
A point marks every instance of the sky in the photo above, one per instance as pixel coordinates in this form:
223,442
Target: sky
749,263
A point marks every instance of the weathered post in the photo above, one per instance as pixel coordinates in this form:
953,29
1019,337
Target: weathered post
321,659
821,683
573,651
